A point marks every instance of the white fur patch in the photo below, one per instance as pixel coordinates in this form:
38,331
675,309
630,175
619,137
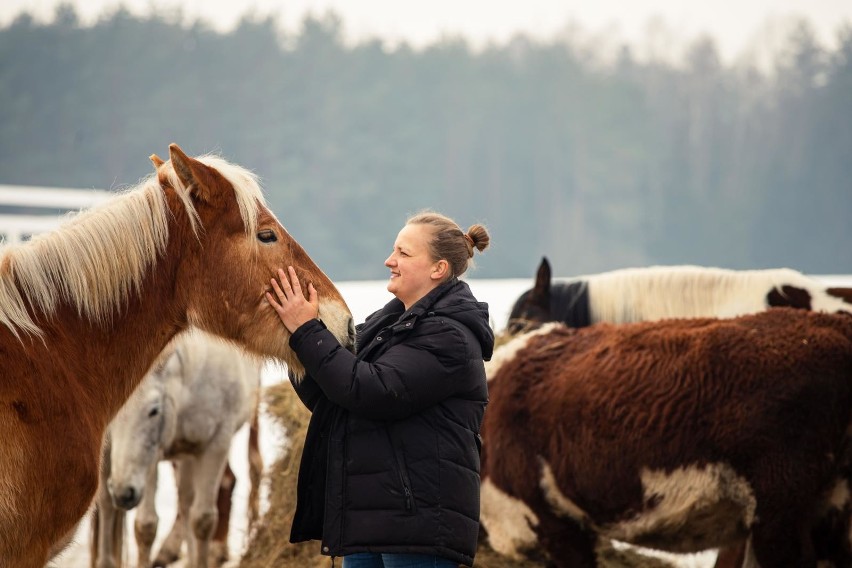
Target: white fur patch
839,496
561,504
508,522
687,510
658,292
509,350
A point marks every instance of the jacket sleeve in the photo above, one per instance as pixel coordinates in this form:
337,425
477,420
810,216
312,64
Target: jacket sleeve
409,377
307,390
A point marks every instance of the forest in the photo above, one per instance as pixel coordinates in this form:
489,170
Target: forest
597,163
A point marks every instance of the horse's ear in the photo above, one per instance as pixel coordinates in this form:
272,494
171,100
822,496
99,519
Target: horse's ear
156,160
542,279
194,175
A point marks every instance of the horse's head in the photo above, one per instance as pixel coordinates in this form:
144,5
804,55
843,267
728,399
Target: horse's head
236,250
136,437
533,306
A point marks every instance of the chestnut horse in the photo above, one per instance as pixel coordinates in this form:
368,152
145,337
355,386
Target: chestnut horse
657,292
679,435
86,310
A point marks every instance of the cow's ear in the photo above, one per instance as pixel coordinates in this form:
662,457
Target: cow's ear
542,279
196,177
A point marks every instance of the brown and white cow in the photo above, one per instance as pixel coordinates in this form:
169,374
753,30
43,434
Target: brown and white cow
679,435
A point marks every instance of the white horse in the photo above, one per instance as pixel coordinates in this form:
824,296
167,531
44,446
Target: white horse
186,410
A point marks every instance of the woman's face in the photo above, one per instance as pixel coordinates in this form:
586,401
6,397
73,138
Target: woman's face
413,272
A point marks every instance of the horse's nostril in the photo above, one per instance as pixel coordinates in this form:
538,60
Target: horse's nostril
126,499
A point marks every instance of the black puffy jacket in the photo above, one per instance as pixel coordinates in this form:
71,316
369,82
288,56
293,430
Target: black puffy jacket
391,458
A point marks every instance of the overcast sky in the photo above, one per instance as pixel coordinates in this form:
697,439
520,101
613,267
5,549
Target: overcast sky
737,25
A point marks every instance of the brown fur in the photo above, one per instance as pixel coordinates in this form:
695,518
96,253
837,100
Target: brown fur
59,391
769,395
844,294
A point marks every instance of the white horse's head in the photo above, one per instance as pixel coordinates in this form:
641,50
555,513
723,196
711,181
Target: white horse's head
138,434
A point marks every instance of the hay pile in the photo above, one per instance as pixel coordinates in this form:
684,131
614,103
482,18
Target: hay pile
269,545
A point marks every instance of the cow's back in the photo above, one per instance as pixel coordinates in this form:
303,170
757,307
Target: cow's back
618,425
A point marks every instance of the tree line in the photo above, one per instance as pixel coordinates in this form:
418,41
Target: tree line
598,165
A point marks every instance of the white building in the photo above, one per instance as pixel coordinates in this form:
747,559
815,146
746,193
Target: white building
54,201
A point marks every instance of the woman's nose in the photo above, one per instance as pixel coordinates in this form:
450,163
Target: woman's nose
389,261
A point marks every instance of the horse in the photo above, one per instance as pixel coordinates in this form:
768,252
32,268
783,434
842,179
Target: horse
679,435
85,310
185,410
107,551
657,292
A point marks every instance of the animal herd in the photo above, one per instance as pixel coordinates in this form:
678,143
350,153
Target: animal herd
675,408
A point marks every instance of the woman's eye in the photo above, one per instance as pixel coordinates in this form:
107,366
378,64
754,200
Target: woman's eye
267,236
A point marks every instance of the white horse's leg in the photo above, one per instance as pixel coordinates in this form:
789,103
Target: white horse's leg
203,515
171,548
147,519
224,498
255,460
186,495
107,532
107,526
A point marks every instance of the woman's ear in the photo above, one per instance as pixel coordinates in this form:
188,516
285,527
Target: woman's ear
440,270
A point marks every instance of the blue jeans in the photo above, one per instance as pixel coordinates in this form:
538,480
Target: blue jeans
378,560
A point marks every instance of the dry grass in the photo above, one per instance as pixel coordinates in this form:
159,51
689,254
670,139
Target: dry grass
269,545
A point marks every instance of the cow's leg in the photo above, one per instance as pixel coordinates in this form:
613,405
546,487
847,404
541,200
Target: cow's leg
219,543
783,540
147,520
567,543
731,556
833,532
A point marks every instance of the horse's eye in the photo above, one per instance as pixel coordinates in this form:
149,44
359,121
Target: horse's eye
267,236
153,412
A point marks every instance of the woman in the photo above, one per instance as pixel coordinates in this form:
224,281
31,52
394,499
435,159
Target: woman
390,472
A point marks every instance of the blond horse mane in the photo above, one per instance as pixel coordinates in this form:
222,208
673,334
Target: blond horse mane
96,259
635,294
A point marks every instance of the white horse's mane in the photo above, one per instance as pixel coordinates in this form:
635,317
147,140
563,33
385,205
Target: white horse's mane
98,257
659,292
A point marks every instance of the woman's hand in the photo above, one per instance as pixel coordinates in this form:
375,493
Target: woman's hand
290,303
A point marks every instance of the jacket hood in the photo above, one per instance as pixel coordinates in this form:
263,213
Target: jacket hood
453,299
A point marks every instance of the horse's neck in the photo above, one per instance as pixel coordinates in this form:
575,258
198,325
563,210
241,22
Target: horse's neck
110,359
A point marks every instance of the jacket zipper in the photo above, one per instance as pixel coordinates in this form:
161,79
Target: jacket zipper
403,475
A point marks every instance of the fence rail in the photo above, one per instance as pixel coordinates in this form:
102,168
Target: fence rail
54,201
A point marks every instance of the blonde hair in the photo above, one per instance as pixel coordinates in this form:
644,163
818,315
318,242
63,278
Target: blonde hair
449,242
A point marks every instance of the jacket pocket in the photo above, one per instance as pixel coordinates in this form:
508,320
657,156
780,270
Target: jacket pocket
404,479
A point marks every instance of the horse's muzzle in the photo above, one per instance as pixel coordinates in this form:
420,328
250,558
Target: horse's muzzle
126,498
